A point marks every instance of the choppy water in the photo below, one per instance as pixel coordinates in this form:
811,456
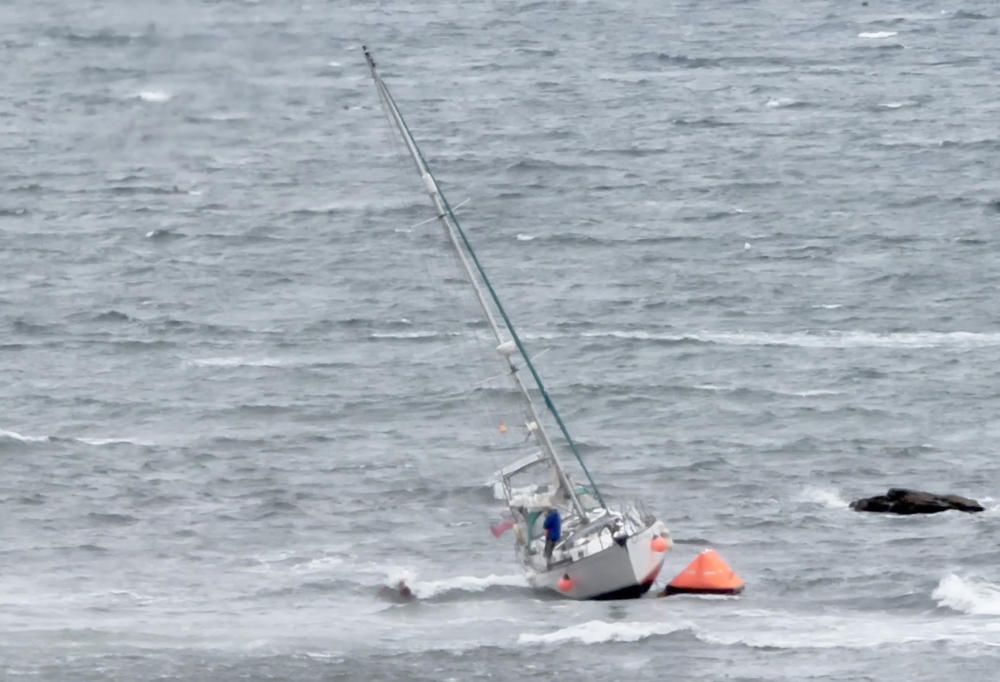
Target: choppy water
757,241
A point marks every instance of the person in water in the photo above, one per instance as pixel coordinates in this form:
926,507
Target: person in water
401,592
553,531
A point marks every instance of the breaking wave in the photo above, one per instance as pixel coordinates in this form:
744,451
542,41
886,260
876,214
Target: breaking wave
974,597
455,588
114,441
464,583
161,234
898,104
785,103
596,632
771,390
155,96
14,435
21,438
823,497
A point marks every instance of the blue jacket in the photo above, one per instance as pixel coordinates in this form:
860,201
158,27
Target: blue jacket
553,525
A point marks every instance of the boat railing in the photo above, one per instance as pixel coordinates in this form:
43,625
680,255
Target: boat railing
635,514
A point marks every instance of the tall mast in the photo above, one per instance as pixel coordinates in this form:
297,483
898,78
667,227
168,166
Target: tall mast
460,243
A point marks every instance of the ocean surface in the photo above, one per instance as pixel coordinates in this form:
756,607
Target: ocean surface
754,245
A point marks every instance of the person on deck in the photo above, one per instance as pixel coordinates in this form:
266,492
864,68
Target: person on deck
553,531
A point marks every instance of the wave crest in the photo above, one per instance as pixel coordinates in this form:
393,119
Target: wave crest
974,597
14,435
21,438
597,631
830,499
465,583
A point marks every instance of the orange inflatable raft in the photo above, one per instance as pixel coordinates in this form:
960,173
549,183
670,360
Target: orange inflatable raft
707,574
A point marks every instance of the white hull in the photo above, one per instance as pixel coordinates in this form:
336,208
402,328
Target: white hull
615,572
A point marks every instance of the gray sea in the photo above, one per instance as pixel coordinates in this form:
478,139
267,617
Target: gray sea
753,244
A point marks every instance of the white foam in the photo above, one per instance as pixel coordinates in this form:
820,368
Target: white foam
975,597
828,306
524,237
897,105
224,116
807,393
14,435
465,583
399,573
597,631
821,339
825,497
114,441
155,96
989,503
781,102
320,565
875,35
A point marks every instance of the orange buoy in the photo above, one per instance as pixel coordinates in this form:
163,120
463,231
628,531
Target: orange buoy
707,574
659,544
565,583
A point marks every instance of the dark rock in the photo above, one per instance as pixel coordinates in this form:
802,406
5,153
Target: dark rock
903,501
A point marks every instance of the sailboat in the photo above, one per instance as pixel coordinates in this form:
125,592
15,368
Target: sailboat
605,550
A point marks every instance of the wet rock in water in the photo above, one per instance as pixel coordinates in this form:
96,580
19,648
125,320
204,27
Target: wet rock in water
903,501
